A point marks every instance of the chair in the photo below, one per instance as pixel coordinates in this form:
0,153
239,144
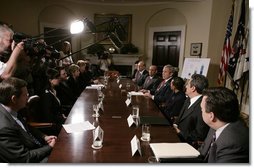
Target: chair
34,117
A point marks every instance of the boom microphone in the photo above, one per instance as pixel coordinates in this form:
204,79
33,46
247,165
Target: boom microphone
115,40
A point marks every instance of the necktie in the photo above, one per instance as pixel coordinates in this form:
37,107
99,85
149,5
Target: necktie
137,76
161,85
146,84
21,122
211,150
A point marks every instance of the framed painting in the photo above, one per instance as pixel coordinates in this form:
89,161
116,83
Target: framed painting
113,23
196,49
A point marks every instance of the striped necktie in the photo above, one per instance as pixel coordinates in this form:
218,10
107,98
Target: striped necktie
211,149
22,123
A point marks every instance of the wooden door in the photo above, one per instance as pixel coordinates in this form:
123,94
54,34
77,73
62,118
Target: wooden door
166,49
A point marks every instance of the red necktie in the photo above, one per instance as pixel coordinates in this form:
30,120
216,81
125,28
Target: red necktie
161,85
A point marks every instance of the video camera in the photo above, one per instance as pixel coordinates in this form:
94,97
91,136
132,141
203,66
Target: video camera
36,46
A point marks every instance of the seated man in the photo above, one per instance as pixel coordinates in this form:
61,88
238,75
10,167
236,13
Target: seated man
189,125
19,142
163,91
228,137
152,81
141,74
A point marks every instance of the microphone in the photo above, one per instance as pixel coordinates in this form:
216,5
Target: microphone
115,40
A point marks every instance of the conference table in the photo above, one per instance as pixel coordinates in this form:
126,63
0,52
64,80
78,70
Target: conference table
76,147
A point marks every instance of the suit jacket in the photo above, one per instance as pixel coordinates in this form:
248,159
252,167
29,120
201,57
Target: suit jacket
191,123
51,110
64,93
174,104
151,84
162,94
231,146
16,145
141,78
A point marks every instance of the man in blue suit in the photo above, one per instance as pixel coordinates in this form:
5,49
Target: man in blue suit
228,137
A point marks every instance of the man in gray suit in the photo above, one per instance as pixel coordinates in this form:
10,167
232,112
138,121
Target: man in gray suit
152,81
18,142
228,137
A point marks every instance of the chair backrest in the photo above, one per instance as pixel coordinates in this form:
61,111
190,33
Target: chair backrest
33,109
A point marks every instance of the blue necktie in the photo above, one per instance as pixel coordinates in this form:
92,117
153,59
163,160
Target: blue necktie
21,122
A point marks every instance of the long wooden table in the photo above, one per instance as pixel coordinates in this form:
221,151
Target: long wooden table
76,147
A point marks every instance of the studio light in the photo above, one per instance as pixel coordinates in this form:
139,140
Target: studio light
77,27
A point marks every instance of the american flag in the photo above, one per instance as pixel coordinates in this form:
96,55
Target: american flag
239,48
226,50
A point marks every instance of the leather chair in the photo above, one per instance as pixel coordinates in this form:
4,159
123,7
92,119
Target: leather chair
34,117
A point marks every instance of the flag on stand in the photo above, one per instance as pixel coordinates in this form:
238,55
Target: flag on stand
237,58
226,49
242,65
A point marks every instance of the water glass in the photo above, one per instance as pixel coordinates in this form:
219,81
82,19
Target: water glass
96,110
135,114
146,132
97,141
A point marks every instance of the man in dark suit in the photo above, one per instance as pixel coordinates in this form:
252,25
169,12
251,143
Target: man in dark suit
19,142
152,81
228,137
189,125
163,90
141,74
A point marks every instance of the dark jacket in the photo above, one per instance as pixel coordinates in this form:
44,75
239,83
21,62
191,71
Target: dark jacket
191,123
16,145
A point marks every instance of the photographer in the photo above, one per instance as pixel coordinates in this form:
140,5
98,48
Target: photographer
7,66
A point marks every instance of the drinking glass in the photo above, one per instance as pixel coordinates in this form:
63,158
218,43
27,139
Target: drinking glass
146,132
96,110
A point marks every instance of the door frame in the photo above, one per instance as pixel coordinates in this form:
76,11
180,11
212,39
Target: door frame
152,30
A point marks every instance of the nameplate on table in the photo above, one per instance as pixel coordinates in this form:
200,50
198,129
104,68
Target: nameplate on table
135,146
98,133
130,120
128,102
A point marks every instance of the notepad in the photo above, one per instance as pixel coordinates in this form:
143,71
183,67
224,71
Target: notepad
174,150
154,120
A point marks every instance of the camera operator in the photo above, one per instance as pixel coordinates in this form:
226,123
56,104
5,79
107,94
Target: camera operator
7,67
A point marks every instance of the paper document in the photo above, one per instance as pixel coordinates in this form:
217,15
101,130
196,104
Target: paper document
95,86
78,127
132,93
173,150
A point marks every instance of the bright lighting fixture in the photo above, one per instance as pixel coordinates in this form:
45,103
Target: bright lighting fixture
77,27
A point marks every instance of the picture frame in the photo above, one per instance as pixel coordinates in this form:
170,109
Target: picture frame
196,49
106,22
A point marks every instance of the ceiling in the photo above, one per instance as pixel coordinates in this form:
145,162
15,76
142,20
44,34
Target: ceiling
129,2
